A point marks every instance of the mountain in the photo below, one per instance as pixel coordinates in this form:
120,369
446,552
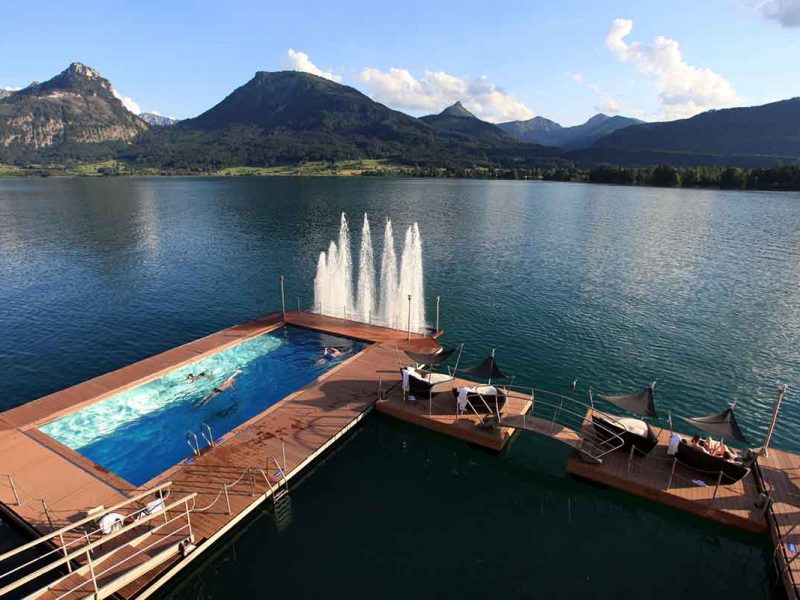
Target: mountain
288,117
458,119
767,130
549,133
156,120
519,129
74,115
5,93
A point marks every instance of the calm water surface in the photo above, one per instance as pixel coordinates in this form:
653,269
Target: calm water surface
613,286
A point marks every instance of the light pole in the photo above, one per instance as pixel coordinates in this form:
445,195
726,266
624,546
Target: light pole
409,317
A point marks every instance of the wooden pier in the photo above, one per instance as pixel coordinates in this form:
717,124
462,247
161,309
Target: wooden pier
46,486
51,489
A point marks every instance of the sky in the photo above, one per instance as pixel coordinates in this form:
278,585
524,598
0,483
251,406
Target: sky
564,60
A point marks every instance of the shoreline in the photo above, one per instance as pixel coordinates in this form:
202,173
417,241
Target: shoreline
776,179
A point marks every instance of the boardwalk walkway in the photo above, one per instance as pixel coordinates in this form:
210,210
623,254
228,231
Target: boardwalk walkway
54,486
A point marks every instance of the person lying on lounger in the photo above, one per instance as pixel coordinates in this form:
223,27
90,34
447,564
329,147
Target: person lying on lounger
225,385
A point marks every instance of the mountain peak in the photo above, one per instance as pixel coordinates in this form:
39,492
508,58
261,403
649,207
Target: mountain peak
457,110
597,119
82,70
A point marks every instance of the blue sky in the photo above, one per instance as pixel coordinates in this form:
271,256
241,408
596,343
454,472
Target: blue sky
562,60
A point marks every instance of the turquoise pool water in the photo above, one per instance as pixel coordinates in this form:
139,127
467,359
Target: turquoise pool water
141,432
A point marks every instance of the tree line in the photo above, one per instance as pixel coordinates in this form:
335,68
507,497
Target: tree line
781,178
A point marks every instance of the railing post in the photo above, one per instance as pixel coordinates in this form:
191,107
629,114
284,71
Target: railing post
47,513
630,458
298,304
14,490
283,300
227,498
189,519
91,570
66,552
767,501
672,472
438,298
283,451
555,414
716,487
430,403
252,483
163,504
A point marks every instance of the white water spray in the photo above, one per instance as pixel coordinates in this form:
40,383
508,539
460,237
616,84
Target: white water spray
389,294
411,282
365,301
386,304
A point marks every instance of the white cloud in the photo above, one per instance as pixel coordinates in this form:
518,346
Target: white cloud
436,89
10,88
607,104
684,90
785,12
575,77
128,102
299,61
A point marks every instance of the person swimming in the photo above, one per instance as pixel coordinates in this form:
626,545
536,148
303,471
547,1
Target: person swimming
225,385
191,377
331,353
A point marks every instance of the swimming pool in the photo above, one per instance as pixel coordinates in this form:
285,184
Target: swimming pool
141,432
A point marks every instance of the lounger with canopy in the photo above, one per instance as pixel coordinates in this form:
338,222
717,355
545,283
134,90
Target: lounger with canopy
424,382
635,433
724,426
484,398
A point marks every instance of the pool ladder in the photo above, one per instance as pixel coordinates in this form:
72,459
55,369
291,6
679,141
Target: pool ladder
205,433
282,502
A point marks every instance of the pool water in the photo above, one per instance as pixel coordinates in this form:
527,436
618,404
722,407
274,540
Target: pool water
141,432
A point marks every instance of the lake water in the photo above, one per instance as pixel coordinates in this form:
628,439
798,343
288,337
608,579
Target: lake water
614,286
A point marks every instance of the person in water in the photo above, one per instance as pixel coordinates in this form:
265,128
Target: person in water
225,385
331,353
192,377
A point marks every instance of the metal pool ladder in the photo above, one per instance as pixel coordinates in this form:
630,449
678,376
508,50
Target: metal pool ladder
280,495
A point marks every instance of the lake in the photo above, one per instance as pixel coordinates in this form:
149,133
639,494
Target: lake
613,286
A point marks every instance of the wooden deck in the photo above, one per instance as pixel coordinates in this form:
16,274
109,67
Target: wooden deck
440,414
780,476
56,486
652,477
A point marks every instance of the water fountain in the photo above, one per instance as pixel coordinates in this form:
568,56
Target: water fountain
386,304
365,301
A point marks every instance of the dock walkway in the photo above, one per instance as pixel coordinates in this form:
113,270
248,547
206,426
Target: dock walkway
45,485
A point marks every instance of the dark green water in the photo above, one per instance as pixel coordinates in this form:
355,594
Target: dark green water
614,286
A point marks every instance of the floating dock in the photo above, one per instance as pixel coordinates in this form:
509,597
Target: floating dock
58,495
47,487
660,477
440,413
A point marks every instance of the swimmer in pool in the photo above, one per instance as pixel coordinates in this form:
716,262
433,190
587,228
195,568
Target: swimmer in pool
330,353
225,385
191,377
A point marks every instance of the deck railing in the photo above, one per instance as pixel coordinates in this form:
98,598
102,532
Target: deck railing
77,542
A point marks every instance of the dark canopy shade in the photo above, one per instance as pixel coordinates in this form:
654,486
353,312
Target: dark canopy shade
640,403
722,425
430,359
486,370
